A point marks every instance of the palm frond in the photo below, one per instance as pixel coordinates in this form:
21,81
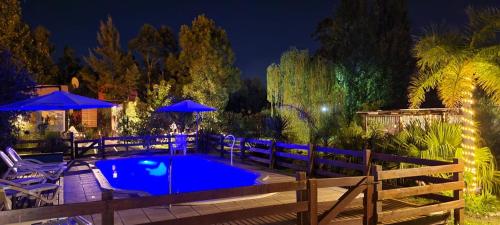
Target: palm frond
453,83
420,85
484,26
487,76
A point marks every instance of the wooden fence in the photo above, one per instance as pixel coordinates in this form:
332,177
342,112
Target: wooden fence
359,170
107,146
305,206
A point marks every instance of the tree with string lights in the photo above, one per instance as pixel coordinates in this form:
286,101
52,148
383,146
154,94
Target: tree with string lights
455,64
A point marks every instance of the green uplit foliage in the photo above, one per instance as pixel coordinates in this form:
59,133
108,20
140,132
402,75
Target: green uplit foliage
208,58
306,91
441,141
110,70
447,59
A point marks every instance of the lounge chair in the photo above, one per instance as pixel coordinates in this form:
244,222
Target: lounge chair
11,194
18,171
30,162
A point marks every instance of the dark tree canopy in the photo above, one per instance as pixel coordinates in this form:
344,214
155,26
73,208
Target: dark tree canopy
371,40
153,47
15,84
111,71
251,98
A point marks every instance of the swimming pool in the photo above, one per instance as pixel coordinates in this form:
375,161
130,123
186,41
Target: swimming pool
189,173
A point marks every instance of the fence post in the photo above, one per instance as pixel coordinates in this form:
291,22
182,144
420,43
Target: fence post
221,142
242,148
101,147
72,145
368,202
310,163
108,215
301,196
272,155
458,214
147,140
367,153
377,205
312,197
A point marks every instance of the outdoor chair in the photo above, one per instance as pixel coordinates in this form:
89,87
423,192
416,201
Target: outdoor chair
180,144
14,195
17,160
20,171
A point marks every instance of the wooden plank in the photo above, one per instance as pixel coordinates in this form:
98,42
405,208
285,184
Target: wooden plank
458,214
259,150
418,161
326,173
259,141
148,201
338,163
290,165
258,159
340,151
412,172
312,196
339,182
301,196
419,211
420,190
344,201
292,146
235,215
292,156
430,179
49,212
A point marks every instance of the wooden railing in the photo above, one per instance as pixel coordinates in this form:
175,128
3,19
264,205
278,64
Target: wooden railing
360,170
107,146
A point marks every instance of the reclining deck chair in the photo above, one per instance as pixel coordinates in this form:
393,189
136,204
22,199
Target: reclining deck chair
19,171
11,193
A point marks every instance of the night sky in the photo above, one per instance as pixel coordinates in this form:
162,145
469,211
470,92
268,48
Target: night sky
259,30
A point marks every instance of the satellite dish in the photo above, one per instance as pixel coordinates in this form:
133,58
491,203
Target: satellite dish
75,83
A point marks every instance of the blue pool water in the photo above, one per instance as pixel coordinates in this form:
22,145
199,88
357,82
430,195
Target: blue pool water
189,173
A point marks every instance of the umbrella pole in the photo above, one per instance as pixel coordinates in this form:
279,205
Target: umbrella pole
197,118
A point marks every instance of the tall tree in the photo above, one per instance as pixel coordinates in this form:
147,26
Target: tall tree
30,49
15,84
42,64
110,71
306,90
371,41
153,46
455,63
209,59
69,66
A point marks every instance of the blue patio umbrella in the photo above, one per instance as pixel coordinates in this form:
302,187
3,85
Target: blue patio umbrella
187,106
57,100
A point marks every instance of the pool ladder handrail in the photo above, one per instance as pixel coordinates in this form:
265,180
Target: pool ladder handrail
232,145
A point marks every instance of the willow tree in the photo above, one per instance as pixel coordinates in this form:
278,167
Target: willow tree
455,64
306,90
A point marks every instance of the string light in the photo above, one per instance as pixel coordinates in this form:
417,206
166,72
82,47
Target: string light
469,133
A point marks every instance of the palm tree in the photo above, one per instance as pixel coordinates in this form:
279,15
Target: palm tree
455,64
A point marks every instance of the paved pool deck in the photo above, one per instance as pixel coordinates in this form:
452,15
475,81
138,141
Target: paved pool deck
80,185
